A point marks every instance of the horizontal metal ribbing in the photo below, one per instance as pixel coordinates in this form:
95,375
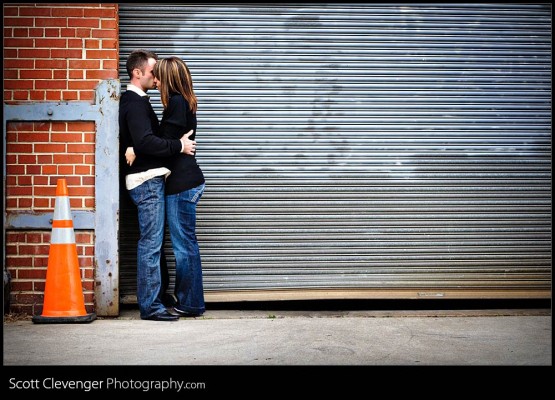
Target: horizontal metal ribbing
364,145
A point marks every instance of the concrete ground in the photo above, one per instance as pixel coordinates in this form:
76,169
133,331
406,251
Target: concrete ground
291,337
239,353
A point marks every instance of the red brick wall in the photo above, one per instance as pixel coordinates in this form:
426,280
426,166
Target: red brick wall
52,52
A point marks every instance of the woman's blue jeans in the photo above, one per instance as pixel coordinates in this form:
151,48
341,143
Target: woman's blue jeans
181,212
149,199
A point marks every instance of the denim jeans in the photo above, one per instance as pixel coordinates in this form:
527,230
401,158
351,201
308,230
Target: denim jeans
181,212
149,199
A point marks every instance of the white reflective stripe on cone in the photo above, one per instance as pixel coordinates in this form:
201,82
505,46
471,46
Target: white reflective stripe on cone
61,210
62,236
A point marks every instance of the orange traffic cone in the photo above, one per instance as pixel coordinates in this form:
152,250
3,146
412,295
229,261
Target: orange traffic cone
63,294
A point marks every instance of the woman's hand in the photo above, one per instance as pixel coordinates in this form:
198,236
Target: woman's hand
130,156
189,146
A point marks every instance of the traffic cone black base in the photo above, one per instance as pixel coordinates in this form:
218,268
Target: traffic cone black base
39,319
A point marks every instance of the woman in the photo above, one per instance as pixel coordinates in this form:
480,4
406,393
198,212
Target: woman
185,184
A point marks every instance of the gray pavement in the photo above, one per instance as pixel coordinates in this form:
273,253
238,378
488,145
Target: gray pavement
296,338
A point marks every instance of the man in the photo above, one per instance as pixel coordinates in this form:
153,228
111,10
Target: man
145,178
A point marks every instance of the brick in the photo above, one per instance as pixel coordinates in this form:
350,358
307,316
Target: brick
10,53
20,148
11,250
50,169
66,170
46,191
19,191
100,12
24,95
60,74
24,180
68,159
35,74
110,64
68,95
86,96
80,148
67,137
92,44
28,299
31,273
35,11
81,126
76,74
104,33
102,54
19,22
82,191
58,127
50,148
67,12
51,84
38,286
18,63
26,159
11,74
18,42
53,95
14,169
84,64
40,262
75,203
82,33
51,43
11,203
52,32
22,286
88,180
18,84
101,74
53,64
68,32
33,137
21,32
37,95
17,262
11,11
37,32
74,43
33,53
110,24
42,126
82,169
66,53
83,22
51,22
81,85
40,180
33,169
15,237
25,203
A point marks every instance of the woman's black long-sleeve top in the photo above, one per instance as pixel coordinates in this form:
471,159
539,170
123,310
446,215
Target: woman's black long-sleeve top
177,120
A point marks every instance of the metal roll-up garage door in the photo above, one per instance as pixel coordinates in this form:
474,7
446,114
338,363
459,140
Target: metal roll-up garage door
363,150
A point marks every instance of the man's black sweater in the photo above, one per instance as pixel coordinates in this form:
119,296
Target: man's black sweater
138,128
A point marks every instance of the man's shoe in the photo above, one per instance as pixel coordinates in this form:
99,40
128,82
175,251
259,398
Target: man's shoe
163,316
181,313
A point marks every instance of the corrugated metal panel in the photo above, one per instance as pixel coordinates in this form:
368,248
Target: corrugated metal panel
366,146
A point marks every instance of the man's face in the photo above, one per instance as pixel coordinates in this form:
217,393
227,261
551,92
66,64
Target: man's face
147,79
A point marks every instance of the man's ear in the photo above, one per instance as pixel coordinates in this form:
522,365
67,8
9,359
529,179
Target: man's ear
136,73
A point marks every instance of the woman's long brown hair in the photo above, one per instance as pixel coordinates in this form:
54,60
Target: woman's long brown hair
174,76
